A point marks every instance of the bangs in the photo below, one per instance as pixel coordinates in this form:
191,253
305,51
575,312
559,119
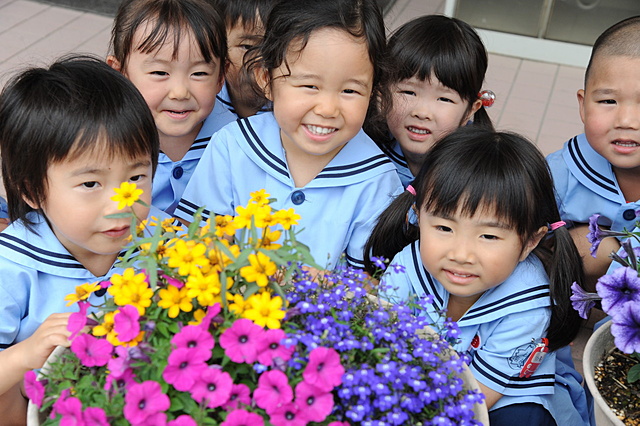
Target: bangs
161,31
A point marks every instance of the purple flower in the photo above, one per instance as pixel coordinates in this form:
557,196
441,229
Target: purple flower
626,328
315,403
618,288
78,320
273,391
582,301
271,348
33,388
144,400
213,387
379,262
182,370
197,339
183,420
95,416
126,324
91,351
595,234
241,341
240,394
243,418
324,369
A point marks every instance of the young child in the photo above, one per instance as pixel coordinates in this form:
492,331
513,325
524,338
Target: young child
245,21
599,170
69,135
440,64
175,53
310,153
488,245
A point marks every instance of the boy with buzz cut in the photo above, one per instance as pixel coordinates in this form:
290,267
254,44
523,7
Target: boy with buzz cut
598,172
244,20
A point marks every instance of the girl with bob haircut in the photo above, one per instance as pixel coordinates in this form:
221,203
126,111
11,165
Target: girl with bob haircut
435,84
320,66
483,238
175,53
69,135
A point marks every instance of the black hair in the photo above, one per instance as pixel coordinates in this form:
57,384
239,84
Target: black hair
168,19
621,39
248,12
76,105
436,45
474,168
292,21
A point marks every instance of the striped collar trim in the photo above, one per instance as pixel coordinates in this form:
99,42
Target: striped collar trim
591,169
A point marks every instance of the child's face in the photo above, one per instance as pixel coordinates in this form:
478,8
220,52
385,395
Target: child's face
423,112
610,110
470,255
78,198
180,92
323,103
240,38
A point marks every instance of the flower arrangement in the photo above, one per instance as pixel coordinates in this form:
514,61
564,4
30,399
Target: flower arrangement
221,325
618,292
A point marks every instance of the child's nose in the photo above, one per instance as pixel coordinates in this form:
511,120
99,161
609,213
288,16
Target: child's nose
461,251
421,110
327,106
179,90
628,116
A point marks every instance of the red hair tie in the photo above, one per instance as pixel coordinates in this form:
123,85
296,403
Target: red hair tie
487,97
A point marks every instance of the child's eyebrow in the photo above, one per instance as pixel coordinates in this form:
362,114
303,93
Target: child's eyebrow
95,170
297,77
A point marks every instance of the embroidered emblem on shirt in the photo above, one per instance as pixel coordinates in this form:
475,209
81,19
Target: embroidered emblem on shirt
475,342
529,356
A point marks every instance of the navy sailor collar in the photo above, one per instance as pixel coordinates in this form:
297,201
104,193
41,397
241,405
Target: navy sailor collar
527,288
359,160
395,154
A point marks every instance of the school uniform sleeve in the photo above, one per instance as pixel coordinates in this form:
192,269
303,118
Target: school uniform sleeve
14,294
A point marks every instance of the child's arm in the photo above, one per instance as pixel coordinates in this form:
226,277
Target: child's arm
596,267
491,396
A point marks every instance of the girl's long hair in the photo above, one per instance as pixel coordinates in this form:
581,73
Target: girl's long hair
473,168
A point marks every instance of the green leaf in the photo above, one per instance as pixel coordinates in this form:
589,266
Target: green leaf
634,374
118,215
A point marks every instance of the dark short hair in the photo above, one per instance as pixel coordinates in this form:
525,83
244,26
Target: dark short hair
249,12
169,19
51,114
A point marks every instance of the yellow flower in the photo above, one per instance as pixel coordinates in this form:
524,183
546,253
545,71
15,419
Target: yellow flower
205,287
286,218
187,256
175,300
259,270
129,276
169,225
225,226
106,326
197,317
264,310
237,304
244,216
135,294
259,197
126,195
82,293
268,240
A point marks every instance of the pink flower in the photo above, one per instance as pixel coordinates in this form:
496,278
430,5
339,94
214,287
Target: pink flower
212,311
271,347
324,370
33,388
172,281
92,351
197,339
95,416
158,419
273,390
183,420
78,320
182,370
243,418
126,324
241,341
69,407
213,386
315,403
240,394
121,379
288,415
144,400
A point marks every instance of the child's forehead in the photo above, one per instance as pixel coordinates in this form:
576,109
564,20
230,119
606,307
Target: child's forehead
167,40
606,67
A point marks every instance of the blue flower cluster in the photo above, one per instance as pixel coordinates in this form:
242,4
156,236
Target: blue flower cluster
395,374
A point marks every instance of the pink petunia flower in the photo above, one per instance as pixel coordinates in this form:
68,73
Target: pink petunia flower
273,390
78,320
92,351
288,415
120,380
271,347
172,281
243,418
213,386
70,408
212,311
324,370
143,401
95,417
315,403
241,341
197,339
126,324
240,394
182,371
33,388
183,420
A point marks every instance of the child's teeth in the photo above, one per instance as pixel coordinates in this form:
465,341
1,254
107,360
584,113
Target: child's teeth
320,130
418,131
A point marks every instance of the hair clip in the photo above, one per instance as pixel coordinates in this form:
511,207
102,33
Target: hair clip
487,97
411,190
555,225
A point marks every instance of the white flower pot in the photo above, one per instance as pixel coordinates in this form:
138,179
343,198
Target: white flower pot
34,417
599,344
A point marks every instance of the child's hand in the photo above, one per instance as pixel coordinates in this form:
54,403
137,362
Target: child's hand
3,224
51,333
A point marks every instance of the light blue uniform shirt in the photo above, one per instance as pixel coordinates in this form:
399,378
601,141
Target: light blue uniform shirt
171,177
497,332
338,208
395,154
585,184
4,209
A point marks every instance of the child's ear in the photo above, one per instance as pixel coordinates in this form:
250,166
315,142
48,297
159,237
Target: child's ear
30,203
475,106
264,81
533,242
114,63
580,95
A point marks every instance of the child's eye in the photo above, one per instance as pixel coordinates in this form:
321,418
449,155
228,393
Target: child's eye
443,228
90,185
136,178
310,86
490,237
350,91
201,74
161,73
608,102
245,46
407,92
443,99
